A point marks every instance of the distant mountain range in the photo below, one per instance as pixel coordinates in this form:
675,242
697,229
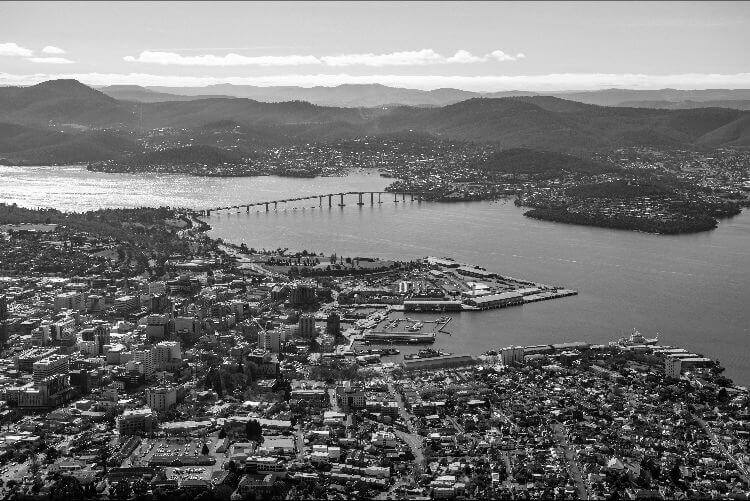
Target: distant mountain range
373,95
63,121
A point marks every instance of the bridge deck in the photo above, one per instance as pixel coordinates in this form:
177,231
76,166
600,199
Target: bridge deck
320,197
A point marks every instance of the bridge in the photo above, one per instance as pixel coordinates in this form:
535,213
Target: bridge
327,197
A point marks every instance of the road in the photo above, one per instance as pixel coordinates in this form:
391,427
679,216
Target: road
456,425
332,399
300,439
412,439
253,266
719,445
573,469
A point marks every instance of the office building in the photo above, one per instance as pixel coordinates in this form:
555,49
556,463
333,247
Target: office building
512,355
161,398
306,326
272,340
50,366
135,421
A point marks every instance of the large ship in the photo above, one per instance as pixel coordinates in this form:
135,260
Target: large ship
637,338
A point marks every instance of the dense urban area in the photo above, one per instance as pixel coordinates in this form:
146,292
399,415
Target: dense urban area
142,359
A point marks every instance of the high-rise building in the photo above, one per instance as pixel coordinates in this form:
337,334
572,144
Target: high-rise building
350,397
145,360
81,379
672,367
71,300
302,294
157,327
512,355
333,324
161,398
307,326
271,340
3,307
165,353
50,366
126,304
136,421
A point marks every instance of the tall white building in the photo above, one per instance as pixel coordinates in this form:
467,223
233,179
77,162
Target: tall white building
145,359
272,340
71,300
512,355
161,398
672,367
166,351
50,366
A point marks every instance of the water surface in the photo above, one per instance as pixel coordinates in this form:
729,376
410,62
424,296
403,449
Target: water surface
691,289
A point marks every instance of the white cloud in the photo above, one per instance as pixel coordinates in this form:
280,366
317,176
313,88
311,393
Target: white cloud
499,55
172,58
489,83
50,60
51,49
13,49
465,57
402,58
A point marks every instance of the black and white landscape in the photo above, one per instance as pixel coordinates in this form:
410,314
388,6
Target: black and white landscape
374,250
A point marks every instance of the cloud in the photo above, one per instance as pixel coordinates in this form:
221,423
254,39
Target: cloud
50,60
402,58
51,49
172,58
499,55
13,49
465,57
483,83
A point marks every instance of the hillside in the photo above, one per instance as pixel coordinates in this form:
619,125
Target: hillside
549,123
621,189
348,95
533,122
547,164
27,145
199,154
144,95
376,95
738,104
62,102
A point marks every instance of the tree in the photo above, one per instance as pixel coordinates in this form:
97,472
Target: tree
51,454
67,488
140,488
205,450
254,431
723,395
122,490
222,434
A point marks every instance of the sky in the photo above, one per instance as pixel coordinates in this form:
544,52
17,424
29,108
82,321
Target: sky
474,45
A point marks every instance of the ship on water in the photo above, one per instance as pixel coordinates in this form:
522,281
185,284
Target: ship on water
636,338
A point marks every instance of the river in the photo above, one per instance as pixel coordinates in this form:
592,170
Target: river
691,289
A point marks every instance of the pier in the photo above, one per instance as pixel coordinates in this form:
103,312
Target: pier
326,199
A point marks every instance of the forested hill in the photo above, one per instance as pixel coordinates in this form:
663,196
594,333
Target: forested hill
77,115
200,154
540,163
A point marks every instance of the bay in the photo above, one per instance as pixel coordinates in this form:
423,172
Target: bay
691,289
